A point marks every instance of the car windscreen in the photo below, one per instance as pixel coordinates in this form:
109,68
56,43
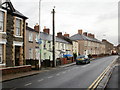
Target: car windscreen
80,57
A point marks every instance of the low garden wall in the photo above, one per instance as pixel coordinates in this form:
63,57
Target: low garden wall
16,69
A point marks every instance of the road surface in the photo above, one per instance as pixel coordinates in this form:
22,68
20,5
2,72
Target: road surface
76,76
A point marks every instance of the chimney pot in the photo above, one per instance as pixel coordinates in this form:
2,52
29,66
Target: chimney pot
59,34
80,31
36,27
46,30
85,33
66,35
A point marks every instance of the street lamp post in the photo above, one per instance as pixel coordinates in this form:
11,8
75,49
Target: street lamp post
39,34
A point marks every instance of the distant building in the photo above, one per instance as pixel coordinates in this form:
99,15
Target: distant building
12,33
88,44
118,49
63,45
108,46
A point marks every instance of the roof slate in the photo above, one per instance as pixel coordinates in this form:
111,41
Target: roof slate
83,37
48,37
12,10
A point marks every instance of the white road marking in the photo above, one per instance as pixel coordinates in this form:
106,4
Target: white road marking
57,74
28,84
50,76
66,67
64,72
40,80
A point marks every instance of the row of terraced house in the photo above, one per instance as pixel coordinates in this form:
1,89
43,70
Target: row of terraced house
19,43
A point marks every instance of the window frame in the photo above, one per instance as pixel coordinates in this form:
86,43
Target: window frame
30,38
16,27
2,11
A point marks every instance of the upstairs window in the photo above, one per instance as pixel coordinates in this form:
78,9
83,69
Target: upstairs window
30,36
18,27
1,21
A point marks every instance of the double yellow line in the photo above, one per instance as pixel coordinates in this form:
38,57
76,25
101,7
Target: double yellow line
97,81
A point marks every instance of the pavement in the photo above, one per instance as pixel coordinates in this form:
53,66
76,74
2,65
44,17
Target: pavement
30,73
75,76
114,80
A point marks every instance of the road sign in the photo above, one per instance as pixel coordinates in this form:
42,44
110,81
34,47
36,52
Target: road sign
40,41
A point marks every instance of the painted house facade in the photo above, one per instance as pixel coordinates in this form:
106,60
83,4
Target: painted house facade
32,45
68,47
12,33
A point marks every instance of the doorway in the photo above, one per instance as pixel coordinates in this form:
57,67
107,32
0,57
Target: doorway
17,55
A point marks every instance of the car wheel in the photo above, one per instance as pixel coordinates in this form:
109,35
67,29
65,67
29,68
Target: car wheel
76,63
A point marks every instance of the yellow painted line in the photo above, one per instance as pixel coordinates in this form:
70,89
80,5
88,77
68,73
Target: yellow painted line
96,79
96,82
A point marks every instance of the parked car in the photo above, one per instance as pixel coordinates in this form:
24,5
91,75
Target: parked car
82,59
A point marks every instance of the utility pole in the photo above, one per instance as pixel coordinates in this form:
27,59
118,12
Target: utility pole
53,24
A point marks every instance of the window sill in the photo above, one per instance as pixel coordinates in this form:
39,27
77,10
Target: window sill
18,36
37,42
2,64
30,41
1,32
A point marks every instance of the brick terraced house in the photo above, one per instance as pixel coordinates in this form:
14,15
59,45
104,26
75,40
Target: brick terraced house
12,36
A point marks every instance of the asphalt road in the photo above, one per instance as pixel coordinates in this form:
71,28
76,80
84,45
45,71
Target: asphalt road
76,76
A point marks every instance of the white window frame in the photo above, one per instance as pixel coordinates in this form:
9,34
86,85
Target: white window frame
18,28
3,20
30,36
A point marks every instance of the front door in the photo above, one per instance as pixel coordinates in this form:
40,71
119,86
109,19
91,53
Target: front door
17,55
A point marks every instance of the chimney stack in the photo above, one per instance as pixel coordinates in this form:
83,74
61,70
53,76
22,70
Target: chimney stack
59,34
93,36
66,35
80,31
104,40
85,33
46,30
36,27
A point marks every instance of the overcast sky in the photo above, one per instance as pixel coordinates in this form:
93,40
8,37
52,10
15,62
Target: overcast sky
99,17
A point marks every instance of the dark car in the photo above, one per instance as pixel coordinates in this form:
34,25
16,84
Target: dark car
82,59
